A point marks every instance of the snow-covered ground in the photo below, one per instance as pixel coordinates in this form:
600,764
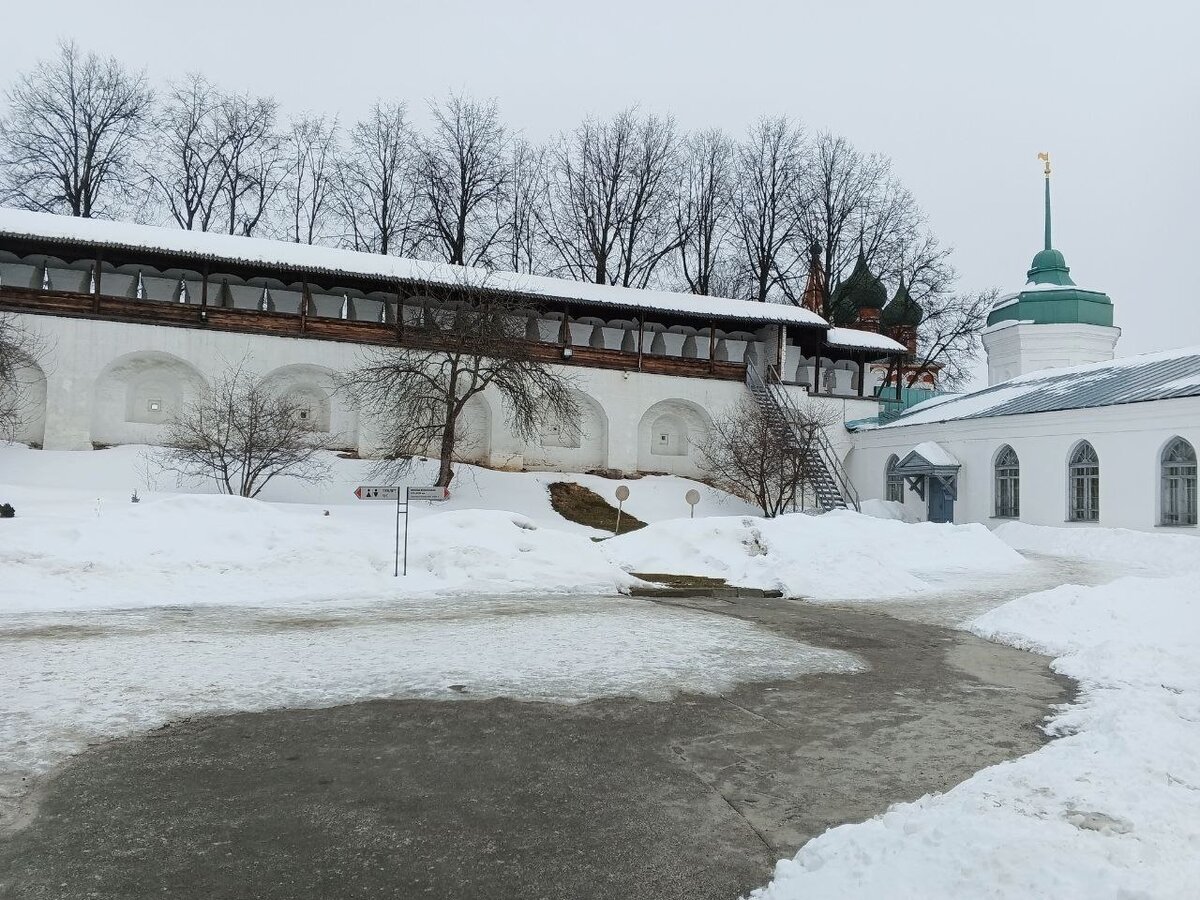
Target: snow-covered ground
1112,808
115,617
837,556
79,543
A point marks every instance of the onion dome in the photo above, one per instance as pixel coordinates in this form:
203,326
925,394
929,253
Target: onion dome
862,290
903,310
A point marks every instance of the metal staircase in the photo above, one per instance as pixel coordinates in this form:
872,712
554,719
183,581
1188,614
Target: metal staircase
823,471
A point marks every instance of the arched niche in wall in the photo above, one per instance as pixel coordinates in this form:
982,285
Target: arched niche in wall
474,432
669,433
23,404
313,389
139,393
583,444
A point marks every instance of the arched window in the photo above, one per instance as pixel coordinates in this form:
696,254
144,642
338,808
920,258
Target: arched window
895,481
1008,484
1178,465
1084,481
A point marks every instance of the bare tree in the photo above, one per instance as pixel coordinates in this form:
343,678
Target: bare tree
769,163
520,244
242,433
746,455
253,161
610,218
19,352
377,192
476,343
464,175
704,208
72,132
185,164
849,201
948,337
648,236
308,191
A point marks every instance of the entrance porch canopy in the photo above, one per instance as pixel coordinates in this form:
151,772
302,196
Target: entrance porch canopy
929,460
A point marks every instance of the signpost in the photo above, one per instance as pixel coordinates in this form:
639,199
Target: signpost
622,496
692,497
403,496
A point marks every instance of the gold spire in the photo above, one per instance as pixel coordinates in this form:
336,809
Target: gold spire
1045,157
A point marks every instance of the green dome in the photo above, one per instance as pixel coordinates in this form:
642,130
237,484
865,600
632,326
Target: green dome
902,311
1049,267
862,290
1050,297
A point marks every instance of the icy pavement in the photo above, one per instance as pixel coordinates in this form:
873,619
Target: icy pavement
1111,808
73,679
951,602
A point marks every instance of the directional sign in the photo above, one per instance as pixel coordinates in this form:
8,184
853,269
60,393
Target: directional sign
370,492
429,493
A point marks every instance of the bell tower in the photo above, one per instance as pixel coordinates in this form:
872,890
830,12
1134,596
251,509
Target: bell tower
1051,322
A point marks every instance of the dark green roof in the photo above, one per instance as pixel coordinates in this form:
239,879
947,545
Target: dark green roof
1050,296
862,290
902,310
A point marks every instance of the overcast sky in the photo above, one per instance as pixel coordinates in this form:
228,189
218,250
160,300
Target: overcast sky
961,95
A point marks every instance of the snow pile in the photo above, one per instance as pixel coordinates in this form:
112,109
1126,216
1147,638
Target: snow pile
1138,551
192,549
886,509
1111,809
838,556
69,482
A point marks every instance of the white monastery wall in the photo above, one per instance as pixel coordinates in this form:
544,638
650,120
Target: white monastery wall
112,383
1129,440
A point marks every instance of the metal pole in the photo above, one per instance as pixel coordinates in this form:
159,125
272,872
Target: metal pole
406,531
620,503
396,566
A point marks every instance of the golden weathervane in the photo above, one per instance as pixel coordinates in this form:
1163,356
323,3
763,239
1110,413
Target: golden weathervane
1045,157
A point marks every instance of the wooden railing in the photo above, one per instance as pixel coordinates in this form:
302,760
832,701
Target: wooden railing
293,325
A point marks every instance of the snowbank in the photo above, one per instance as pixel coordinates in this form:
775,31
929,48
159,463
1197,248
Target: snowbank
886,509
1139,551
193,549
837,556
69,482
1111,809
79,543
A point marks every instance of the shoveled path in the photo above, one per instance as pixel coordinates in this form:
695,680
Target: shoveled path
497,799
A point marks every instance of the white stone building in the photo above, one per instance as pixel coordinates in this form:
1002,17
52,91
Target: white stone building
1063,434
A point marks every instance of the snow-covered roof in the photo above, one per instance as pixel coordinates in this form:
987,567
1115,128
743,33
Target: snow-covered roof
1164,375
935,454
318,260
852,339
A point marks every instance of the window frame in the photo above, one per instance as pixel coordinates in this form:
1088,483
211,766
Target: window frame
1176,478
892,481
1006,484
1083,484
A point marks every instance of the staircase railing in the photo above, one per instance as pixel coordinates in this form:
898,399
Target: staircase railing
771,387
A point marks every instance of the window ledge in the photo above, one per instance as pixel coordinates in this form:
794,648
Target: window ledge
1174,527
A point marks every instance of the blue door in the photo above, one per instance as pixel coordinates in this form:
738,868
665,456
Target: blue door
941,501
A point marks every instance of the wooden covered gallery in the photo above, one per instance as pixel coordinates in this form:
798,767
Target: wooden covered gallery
87,268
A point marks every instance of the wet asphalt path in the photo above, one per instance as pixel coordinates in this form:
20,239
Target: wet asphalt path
693,798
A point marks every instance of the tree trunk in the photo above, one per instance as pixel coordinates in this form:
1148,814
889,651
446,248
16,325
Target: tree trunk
446,454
